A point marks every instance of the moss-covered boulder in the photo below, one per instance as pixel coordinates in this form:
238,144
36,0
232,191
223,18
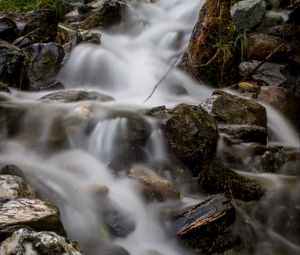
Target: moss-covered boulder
231,109
26,241
214,49
215,177
191,133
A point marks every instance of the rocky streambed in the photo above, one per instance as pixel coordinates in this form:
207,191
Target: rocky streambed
90,171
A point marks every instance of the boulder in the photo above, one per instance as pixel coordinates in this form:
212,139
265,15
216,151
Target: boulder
26,241
11,64
245,133
8,29
212,57
204,227
70,96
215,177
191,133
284,100
247,14
34,213
154,188
105,14
44,63
268,73
231,109
44,21
13,187
118,223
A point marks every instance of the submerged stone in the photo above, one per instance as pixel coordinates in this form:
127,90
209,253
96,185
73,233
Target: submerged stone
25,241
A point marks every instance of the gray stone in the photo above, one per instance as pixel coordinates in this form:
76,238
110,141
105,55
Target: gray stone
12,187
34,213
247,14
271,74
24,241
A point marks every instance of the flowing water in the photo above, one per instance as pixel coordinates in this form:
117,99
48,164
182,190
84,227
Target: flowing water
67,151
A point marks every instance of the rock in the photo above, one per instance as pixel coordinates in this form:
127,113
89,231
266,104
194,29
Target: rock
69,38
204,227
69,96
105,14
284,100
44,21
153,188
209,58
231,109
34,213
272,19
114,250
13,187
11,64
191,133
10,170
216,177
8,29
260,45
295,12
44,63
248,14
251,87
287,31
268,73
245,133
25,241
118,224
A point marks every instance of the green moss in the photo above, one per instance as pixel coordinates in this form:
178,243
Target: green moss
18,5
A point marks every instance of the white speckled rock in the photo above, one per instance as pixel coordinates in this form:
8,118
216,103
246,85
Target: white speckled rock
33,213
247,14
12,187
27,242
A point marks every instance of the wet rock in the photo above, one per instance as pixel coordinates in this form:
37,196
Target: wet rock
268,162
11,64
247,86
284,100
69,38
13,187
295,12
271,74
159,112
272,19
287,31
114,250
25,241
105,14
216,177
153,188
231,109
245,133
10,170
118,223
34,213
44,63
259,46
204,227
191,133
69,96
208,59
248,14
43,21
8,29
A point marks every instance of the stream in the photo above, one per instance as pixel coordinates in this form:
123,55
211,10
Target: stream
126,66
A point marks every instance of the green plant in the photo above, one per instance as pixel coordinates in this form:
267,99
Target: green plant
58,6
18,5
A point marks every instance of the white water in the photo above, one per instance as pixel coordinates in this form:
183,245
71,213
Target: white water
126,66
